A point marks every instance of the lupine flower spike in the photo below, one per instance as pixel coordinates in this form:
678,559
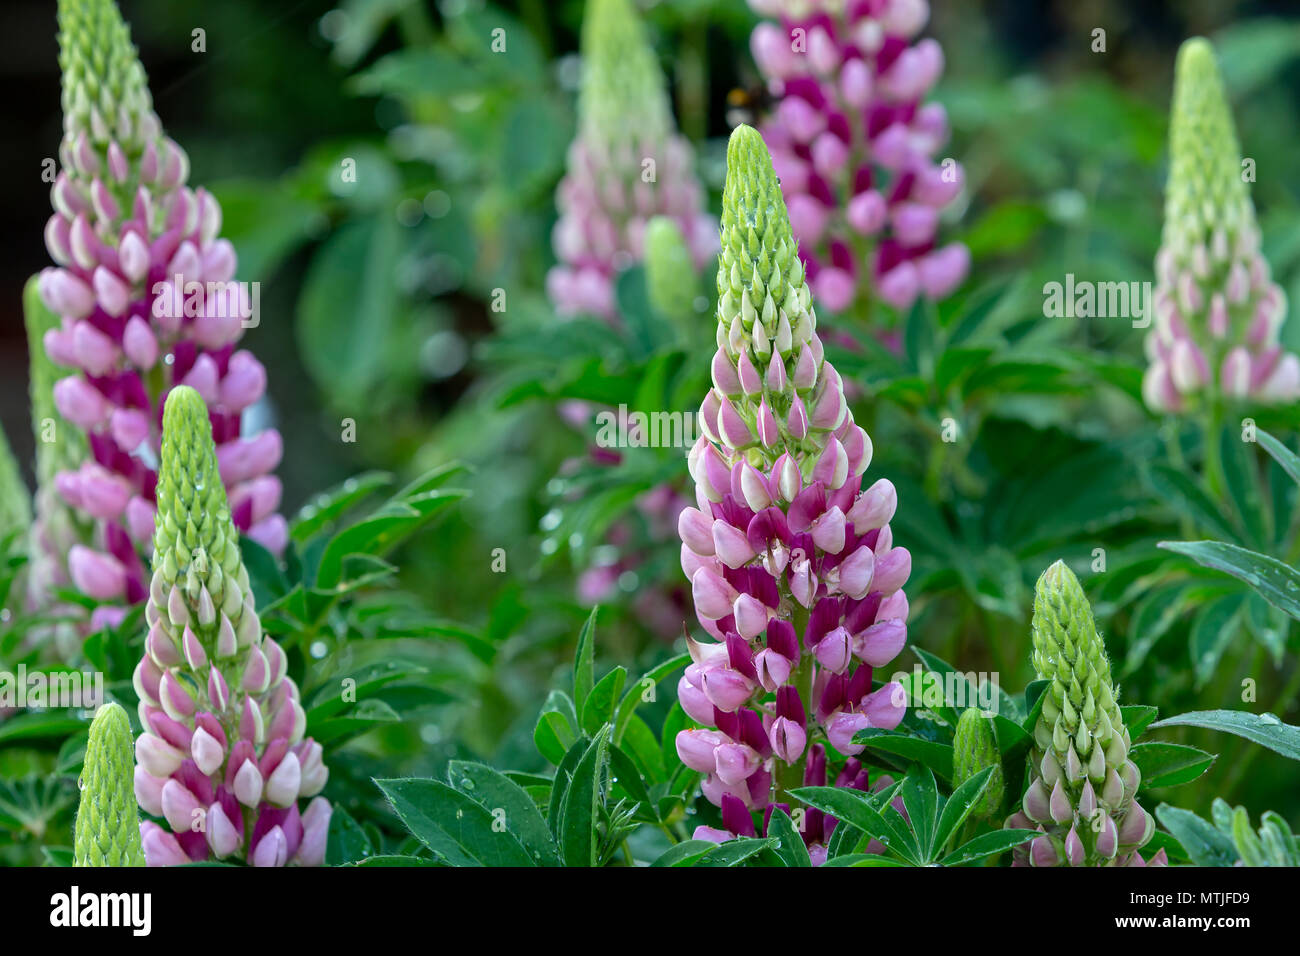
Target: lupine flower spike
974,748
60,446
1083,786
856,147
627,164
132,243
222,758
1217,308
108,824
791,561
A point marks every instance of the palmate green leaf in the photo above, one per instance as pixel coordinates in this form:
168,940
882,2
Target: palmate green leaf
921,800
789,844
1168,765
1204,844
578,838
379,533
929,753
1274,581
329,506
1006,705
500,795
856,808
1267,730
685,853
453,826
987,844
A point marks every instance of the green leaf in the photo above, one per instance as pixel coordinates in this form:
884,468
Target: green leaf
1168,765
1264,729
789,844
556,728
600,702
347,309
1284,456
1216,624
987,844
508,801
1188,498
685,853
958,806
1205,845
855,808
929,753
560,786
578,838
1243,489
1276,583
1137,717
921,800
453,826
736,852
1151,621
347,842
633,698
330,505
583,662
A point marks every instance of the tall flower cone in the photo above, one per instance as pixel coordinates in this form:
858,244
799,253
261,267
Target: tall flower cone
60,446
145,293
670,275
1083,784
108,825
791,561
1217,309
974,748
855,145
222,758
627,164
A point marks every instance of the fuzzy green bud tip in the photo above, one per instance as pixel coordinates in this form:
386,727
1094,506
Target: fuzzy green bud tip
101,71
974,748
670,274
108,825
623,96
1206,185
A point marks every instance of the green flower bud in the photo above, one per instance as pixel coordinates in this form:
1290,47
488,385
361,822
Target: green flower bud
974,748
769,353
670,276
1082,782
623,99
1206,188
108,825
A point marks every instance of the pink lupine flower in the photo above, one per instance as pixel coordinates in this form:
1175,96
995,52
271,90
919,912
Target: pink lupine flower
144,285
855,146
792,563
626,166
